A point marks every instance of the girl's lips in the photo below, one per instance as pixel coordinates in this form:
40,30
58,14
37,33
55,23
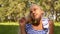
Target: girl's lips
35,14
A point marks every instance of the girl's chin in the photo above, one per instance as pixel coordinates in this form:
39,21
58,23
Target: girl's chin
35,18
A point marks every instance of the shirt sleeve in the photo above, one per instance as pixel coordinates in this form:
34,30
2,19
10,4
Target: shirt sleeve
45,22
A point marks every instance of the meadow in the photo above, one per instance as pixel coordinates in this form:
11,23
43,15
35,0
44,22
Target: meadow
13,28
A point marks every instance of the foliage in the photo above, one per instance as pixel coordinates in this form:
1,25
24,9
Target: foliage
12,10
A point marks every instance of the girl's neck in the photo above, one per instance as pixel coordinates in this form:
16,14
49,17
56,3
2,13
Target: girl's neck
39,27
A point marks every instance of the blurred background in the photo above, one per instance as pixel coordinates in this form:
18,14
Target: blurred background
12,10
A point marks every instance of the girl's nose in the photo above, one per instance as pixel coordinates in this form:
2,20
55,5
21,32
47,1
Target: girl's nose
33,11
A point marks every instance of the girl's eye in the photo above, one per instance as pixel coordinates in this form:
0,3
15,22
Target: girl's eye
34,9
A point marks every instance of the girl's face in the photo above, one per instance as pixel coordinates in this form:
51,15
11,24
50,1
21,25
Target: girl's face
36,12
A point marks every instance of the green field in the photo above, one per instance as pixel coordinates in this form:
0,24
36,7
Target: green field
13,28
9,28
57,28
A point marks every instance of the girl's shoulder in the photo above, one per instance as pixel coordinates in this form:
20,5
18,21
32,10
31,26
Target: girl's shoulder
45,22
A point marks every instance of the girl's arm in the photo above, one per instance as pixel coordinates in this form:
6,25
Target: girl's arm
51,27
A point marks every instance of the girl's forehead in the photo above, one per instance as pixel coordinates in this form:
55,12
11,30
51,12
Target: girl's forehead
33,7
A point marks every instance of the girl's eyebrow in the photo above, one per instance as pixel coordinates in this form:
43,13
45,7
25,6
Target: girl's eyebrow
35,9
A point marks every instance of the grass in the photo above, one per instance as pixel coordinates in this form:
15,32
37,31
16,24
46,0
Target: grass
9,28
9,23
57,28
13,28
